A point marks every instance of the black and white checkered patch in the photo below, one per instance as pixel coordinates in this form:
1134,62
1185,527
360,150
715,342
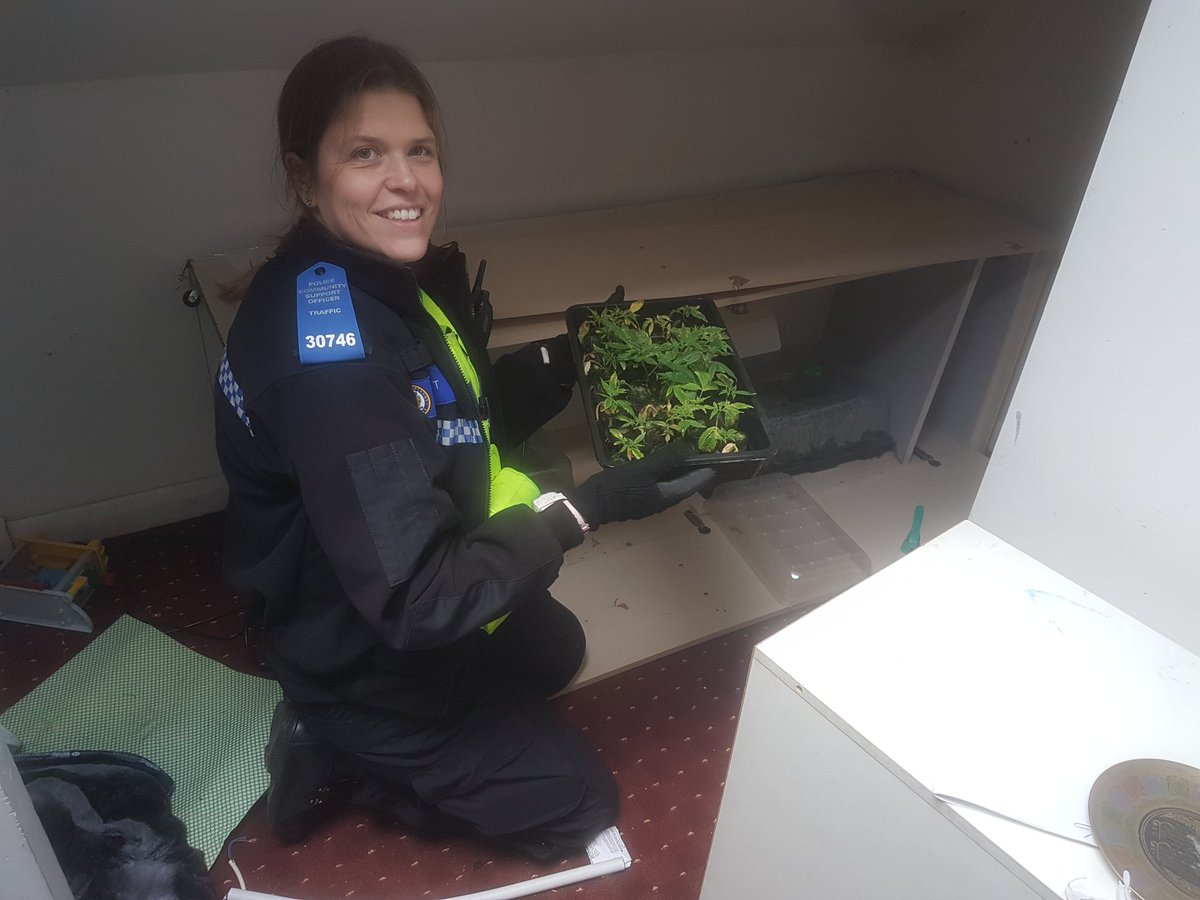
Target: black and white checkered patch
459,431
233,392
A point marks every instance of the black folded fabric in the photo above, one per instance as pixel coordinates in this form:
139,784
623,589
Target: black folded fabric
108,818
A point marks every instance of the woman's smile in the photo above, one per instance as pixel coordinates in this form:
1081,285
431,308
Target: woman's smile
402,215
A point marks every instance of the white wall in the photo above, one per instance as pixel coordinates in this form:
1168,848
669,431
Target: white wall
1094,473
108,186
1017,114
539,137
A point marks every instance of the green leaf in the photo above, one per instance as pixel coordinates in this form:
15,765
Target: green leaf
708,440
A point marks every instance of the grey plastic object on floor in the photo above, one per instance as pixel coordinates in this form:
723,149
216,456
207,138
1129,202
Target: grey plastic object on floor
797,551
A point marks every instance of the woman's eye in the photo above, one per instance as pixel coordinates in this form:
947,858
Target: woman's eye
363,154
421,150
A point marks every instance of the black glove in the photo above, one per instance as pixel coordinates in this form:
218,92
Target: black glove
640,488
558,349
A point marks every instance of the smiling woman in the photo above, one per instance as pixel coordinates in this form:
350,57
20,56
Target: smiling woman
402,568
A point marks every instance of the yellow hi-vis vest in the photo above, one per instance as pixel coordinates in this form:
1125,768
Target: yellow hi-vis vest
506,486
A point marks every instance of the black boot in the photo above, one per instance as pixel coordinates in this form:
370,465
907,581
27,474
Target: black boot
304,788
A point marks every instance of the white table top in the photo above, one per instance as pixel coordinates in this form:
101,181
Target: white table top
971,670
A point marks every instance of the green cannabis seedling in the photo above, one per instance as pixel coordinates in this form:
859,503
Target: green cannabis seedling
654,379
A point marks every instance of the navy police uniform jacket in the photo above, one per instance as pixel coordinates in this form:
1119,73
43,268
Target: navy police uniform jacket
357,520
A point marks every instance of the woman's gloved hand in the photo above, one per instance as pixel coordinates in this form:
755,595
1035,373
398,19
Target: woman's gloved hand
558,357
640,488
556,352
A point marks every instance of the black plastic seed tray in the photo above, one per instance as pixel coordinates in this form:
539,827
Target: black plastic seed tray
744,463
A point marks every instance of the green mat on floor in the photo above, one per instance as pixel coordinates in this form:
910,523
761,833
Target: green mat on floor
136,690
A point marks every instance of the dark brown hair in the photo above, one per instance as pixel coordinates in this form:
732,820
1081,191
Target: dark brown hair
331,75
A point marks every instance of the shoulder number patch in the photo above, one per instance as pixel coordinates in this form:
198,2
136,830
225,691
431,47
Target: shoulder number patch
326,327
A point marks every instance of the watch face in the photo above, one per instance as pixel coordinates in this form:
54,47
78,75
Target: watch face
1145,816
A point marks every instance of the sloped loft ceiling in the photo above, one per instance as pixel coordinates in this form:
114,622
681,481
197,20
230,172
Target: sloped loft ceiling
70,40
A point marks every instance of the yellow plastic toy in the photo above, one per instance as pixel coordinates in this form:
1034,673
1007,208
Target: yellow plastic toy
48,582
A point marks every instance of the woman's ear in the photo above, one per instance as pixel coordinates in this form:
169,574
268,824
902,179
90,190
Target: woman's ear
298,180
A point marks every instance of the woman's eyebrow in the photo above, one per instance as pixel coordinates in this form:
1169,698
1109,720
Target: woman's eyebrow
427,138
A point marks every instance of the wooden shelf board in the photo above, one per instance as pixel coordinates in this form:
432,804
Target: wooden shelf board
679,587
646,588
208,273
514,332
735,247
873,500
832,227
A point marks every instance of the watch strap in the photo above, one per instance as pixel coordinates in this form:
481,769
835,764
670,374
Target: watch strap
548,499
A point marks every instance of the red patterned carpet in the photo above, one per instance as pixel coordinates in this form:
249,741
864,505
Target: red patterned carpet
666,728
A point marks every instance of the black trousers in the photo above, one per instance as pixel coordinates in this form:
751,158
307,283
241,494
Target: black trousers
505,766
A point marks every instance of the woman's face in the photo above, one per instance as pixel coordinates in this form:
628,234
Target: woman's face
377,183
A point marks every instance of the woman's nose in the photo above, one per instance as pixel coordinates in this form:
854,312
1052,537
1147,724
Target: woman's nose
399,176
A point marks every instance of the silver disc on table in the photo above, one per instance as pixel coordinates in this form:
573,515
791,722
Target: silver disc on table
1145,816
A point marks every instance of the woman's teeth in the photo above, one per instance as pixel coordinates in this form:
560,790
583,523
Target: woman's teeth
404,214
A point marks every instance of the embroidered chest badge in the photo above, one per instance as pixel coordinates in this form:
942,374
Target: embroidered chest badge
423,398
431,392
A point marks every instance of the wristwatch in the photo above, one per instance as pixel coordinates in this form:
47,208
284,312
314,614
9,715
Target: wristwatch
544,501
